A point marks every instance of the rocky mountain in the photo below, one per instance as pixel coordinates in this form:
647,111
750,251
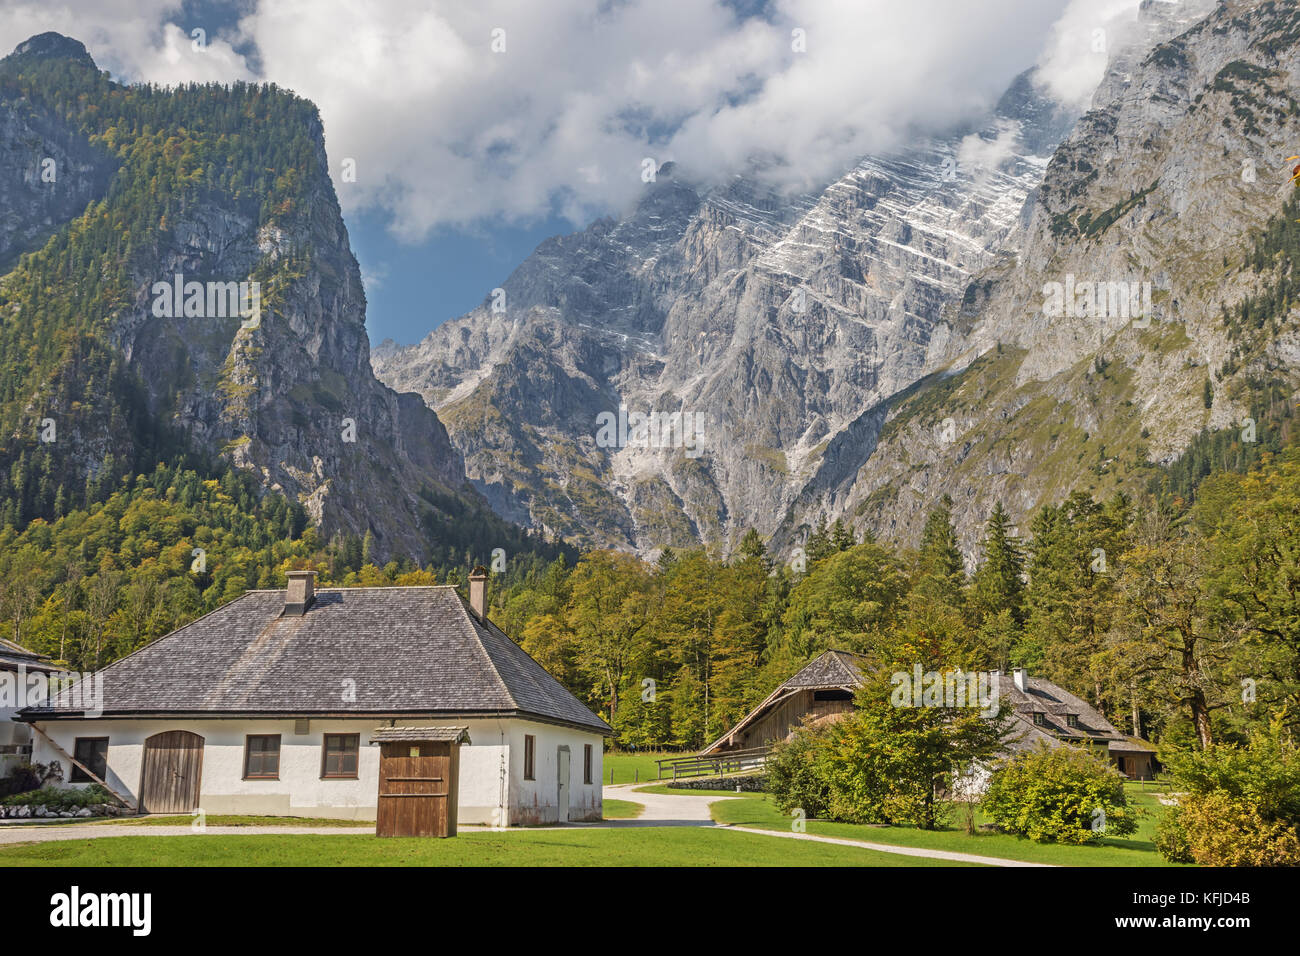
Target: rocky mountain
179,283
1175,186
774,323
793,334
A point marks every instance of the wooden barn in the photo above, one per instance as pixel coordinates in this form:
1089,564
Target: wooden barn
819,692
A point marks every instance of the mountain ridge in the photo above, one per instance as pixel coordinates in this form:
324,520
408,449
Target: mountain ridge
689,303
134,186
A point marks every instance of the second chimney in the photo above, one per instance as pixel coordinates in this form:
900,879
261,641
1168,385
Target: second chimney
1020,678
300,592
478,592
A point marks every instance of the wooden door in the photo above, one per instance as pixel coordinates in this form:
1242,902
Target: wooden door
171,773
562,772
417,789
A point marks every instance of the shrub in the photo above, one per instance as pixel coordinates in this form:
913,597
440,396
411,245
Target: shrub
30,776
1059,795
58,798
1226,832
794,775
1239,806
1171,837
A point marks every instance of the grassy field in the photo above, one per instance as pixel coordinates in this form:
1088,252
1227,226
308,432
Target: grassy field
1136,850
212,820
667,846
634,767
622,809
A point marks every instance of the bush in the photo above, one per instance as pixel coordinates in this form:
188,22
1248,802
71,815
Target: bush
1171,837
30,776
794,777
1239,806
1059,795
58,798
1225,832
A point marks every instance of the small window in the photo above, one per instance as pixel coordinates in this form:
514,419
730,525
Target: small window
93,752
1040,718
262,757
1072,720
529,749
339,757
586,763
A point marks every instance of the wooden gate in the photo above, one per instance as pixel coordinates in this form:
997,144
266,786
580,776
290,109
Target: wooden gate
418,780
171,773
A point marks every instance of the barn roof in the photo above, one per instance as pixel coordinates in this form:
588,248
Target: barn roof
392,651
830,670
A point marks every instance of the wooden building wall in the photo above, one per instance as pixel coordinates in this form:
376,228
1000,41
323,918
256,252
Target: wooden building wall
787,716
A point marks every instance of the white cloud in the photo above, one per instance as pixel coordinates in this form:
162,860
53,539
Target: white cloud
1082,41
445,132
135,39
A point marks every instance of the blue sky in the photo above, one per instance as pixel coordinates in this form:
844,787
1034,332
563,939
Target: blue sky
412,288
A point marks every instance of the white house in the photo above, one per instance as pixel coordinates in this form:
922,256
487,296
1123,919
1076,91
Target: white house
267,706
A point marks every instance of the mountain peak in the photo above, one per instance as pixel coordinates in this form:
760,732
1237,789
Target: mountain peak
50,46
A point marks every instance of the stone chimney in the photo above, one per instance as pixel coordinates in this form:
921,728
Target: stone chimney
300,592
478,592
1021,678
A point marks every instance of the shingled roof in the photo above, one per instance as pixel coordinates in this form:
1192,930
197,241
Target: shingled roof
831,669
1057,705
394,651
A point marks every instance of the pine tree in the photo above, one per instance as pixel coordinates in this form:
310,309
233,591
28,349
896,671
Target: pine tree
940,573
998,584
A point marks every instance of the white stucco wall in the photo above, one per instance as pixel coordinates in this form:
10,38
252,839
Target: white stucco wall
12,734
537,801
491,789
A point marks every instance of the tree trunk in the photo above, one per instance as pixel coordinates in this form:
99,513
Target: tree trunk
1201,717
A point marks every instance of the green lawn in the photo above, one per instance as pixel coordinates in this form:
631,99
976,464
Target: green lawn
1136,850
637,767
622,809
657,846
212,820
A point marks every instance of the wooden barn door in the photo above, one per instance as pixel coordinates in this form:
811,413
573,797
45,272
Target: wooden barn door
417,789
172,771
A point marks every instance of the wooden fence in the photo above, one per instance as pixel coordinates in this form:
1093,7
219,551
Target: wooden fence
716,765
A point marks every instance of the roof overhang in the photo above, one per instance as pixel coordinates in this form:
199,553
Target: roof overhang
419,735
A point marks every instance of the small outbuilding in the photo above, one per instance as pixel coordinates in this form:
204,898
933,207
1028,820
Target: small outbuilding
419,775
